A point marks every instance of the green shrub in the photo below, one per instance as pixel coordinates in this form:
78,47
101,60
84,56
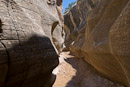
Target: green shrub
70,5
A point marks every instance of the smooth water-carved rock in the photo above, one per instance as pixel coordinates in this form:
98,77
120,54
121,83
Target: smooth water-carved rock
27,52
103,40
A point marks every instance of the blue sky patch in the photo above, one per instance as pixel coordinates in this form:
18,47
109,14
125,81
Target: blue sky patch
66,2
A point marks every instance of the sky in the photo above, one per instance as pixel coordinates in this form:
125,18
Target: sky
66,2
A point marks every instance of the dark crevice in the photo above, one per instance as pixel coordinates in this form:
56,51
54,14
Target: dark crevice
1,31
54,26
51,2
59,2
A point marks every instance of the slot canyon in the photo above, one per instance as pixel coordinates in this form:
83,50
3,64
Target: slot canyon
87,46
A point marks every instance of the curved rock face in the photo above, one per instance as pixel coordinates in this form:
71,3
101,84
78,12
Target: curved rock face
75,20
27,32
103,40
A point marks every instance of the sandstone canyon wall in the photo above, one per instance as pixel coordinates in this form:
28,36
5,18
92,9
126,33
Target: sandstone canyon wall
28,29
99,32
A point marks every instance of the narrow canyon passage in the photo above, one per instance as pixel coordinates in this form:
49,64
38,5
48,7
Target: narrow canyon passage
74,72
87,46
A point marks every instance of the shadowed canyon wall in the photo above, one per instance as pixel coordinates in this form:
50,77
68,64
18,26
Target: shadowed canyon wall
28,29
99,32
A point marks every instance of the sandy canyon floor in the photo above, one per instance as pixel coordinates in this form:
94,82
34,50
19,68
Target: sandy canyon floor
73,72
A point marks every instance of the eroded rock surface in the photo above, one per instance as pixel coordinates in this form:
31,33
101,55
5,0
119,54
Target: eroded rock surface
102,36
27,32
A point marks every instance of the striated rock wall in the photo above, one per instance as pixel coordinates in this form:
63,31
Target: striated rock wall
28,29
101,36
